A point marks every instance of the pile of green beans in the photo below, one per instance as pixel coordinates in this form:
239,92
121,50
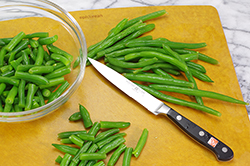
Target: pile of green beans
32,71
89,147
158,61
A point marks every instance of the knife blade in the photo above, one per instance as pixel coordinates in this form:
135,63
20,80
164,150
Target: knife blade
154,105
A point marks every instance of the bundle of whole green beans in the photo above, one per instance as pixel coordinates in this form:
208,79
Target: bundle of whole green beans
157,62
32,71
90,146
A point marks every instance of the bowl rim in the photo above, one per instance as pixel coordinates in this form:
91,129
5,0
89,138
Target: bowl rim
68,92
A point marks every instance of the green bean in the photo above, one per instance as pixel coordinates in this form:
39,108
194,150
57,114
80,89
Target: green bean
6,40
21,93
85,148
91,149
58,65
58,159
172,71
47,40
66,134
66,149
1,105
37,34
7,107
2,87
126,51
109,124
137,33
85,116
40,55
92,47
158,79
127,156
99,163
158,43
112,145
33,54
117,153
59,91
9,80
32,88
201,56
110,49
117,58
105,134
6,68
91,162
11,95
116,38
17,108
57,50
122,64
103,142
200,75
41,98
52,82
94,129
16,62
92,156
66,141
75,116
174,100
86,137
154,66
76,140
21,46
161,72
197,92
58,72
50,62
141,143
158,55
2,43
76,63
188,73
118,28
37,79
196,66
66,159
26,59
146,17
8,73
41,70
35,104
119,69
11,45
33,43
5,93
118,46
2,55
60,58
46,92
24,67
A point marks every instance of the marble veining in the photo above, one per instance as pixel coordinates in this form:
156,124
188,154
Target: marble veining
234,15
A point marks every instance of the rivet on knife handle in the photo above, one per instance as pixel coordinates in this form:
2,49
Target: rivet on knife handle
221,150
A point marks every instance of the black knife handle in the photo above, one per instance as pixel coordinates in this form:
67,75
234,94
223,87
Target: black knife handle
221,150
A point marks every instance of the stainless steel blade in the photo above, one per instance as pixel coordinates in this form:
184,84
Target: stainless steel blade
128,87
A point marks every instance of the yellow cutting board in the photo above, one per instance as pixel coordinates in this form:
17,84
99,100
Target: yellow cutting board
29,143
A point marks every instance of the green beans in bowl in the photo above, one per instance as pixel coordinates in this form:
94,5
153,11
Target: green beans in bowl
39,44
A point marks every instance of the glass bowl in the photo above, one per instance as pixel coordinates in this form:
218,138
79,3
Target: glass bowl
32,16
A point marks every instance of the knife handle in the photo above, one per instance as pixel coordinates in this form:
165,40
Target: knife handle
221,150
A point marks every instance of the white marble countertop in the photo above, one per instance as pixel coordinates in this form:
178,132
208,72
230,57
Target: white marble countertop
234,15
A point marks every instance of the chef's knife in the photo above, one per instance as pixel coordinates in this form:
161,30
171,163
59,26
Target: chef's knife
221,150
